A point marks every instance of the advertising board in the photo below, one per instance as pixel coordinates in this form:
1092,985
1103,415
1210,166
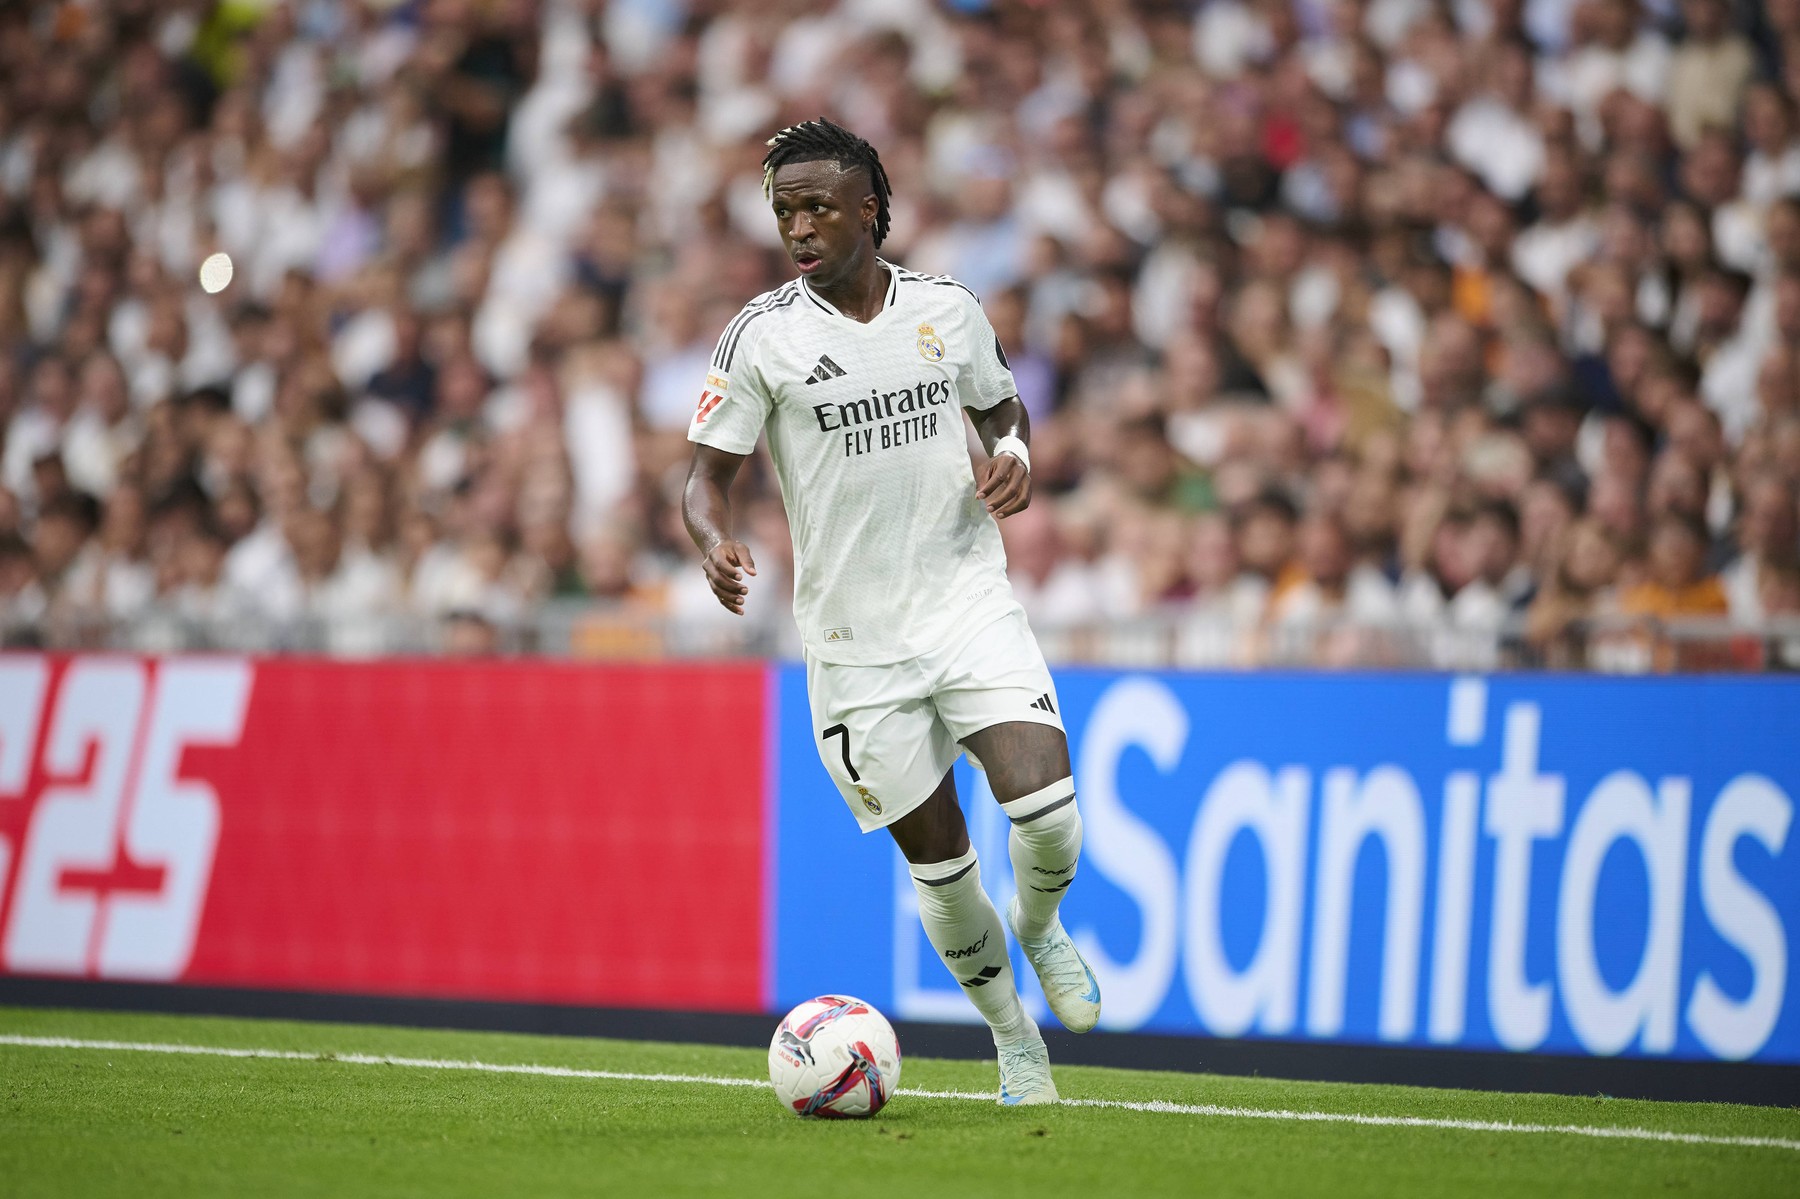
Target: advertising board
1575,865
482,831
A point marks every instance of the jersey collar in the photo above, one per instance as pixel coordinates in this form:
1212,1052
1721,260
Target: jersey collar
887,305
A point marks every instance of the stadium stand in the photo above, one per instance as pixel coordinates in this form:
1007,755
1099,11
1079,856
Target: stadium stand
1355,332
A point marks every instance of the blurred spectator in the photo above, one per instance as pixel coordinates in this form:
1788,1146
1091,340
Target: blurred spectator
1676,581
1580,589
22,603
1334,585
200,592
1708,72
1769,536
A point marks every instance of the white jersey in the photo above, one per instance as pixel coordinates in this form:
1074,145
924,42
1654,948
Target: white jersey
893,552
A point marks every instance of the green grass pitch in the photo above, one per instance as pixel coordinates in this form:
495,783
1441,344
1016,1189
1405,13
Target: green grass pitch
92,1121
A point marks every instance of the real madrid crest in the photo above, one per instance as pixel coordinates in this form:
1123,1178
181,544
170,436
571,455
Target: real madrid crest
869,801
931,346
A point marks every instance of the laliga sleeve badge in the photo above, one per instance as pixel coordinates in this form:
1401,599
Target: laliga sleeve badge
869,801
712,397
931,346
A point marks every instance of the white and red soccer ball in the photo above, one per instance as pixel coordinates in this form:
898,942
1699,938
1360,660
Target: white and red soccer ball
834,1057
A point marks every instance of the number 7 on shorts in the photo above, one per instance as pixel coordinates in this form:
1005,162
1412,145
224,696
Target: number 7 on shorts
833,731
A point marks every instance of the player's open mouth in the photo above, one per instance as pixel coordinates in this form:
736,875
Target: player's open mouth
808,263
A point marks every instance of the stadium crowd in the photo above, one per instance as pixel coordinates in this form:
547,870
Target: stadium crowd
1351,330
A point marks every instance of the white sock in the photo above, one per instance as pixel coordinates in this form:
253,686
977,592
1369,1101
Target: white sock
1045,844
962,925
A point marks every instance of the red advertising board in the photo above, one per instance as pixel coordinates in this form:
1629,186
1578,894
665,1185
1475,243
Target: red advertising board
510,831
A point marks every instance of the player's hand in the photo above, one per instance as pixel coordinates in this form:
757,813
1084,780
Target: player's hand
726,565
1004,485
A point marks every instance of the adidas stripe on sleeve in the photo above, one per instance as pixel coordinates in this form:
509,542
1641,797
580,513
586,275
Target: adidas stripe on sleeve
735,402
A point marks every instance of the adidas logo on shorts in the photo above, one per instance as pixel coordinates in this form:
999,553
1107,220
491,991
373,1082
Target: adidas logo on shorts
1042,703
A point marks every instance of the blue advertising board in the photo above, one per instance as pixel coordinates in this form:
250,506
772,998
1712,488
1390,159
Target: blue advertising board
1572,865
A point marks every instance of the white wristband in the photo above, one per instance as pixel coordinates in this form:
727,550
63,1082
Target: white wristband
1017,448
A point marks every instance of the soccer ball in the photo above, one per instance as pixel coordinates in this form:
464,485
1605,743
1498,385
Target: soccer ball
834,1057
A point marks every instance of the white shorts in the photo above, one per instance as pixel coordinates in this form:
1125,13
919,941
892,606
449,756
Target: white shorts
888,734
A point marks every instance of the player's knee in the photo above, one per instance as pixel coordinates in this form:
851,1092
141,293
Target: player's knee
943,883
1022,785
1049,806
929,843
935,830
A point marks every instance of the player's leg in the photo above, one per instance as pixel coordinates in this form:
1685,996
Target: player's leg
960,920
881,741
1028,770
997,696
962,925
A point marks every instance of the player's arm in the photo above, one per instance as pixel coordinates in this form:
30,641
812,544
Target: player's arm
1004,481
706,507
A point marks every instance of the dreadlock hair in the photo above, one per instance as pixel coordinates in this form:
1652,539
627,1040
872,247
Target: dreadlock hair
823,141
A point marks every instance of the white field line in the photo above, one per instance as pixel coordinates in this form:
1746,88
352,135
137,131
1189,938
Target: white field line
1604,1132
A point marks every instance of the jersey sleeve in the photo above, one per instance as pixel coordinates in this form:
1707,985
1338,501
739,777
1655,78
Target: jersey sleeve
734,403
985,378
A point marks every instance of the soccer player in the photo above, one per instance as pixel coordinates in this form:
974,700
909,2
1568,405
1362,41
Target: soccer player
915,649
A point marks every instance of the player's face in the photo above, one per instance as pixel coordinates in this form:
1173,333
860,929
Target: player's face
826,215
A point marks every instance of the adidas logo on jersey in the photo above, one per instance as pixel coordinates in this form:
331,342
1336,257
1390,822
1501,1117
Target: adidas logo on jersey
827,369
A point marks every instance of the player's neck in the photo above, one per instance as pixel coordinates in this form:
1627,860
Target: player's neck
862,293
